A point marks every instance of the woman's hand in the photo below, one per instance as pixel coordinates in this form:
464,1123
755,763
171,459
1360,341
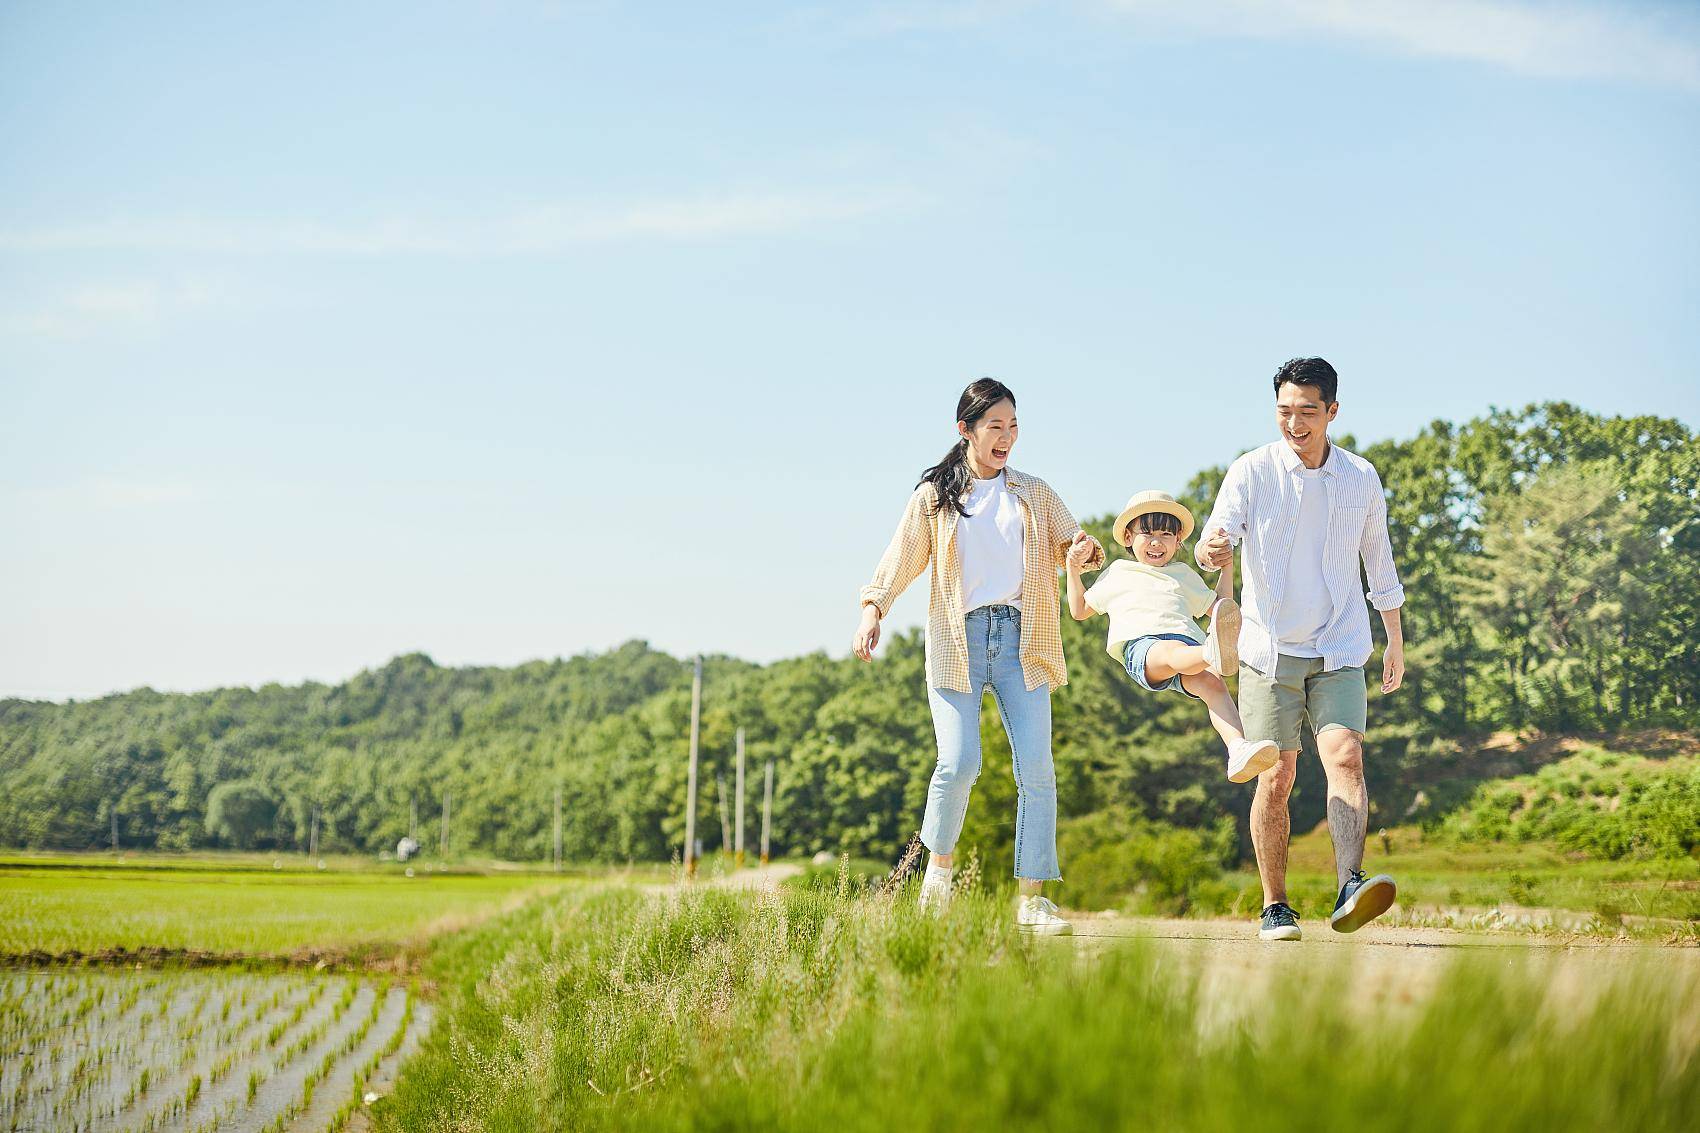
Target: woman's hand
1080,551
867,633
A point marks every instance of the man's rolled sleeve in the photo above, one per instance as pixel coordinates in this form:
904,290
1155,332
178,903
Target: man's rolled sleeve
1229,513
1385,590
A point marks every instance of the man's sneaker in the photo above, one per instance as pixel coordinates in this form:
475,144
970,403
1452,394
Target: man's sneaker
1038,916
1279,923
935,890
1222,643
1361,901
1247,759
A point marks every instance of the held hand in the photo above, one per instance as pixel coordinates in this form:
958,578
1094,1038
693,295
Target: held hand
1216,552
1080,551
867,633
1393,667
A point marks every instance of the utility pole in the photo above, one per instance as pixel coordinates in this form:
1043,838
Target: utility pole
313,836
443,842
766,810
557,828
725,824
413,818
738,803
691,778
113,811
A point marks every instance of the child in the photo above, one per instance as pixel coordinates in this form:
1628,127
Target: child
1152,602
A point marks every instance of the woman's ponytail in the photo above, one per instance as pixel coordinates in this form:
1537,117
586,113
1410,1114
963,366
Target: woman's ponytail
951,477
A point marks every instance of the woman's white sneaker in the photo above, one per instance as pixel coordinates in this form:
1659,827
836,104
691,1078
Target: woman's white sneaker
1037,916
935,890
1247,759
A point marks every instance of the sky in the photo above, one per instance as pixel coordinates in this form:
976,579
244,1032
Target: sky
511,330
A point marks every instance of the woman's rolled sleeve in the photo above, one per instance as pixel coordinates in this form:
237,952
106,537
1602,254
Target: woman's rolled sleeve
906,556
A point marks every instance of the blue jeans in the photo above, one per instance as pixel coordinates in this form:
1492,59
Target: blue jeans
994,662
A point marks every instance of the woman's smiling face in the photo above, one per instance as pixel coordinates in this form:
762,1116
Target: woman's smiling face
990,438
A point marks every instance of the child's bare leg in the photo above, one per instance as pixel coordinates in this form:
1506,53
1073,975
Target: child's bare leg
1224,715
1166,659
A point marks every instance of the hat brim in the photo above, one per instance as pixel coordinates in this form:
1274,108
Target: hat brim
1167,507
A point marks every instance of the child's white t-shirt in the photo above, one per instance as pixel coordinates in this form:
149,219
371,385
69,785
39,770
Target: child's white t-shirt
1143,600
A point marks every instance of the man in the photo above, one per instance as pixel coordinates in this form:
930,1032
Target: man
1307,511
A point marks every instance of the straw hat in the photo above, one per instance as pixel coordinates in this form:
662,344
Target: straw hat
1143,503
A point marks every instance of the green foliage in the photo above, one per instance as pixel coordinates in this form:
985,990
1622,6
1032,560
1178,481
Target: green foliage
1113,855
1600,803
239,813
1551,585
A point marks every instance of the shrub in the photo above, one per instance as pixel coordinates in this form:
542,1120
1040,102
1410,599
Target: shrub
1114,858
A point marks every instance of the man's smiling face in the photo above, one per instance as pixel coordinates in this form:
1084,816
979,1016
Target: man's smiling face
1303,418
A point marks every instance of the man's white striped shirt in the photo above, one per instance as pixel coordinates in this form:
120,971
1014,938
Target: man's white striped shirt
1258,505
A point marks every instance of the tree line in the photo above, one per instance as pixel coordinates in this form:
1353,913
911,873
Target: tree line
1551,560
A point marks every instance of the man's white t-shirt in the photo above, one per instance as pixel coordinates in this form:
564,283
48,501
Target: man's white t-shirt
1306,607
992,542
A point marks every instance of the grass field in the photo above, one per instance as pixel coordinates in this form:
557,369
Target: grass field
614,1000
811,1009
51,907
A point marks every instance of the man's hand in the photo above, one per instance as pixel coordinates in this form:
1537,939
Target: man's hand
1080,552
1216,552
1393,666
867,633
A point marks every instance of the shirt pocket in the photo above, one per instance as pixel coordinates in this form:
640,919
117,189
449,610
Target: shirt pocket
1345,527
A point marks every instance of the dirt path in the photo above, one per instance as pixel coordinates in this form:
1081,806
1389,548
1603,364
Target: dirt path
1381,967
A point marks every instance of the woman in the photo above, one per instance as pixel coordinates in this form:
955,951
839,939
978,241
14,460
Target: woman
995,538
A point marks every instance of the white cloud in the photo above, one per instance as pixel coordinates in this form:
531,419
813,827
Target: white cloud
118,492
1644,43
112,305
540,229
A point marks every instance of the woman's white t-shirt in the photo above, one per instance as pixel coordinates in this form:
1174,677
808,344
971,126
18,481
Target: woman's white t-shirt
992,542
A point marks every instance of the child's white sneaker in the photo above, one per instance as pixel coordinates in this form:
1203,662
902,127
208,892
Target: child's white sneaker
1247,759
935,890
1037,916
1222,643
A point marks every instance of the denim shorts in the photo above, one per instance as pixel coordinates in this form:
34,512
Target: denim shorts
1133,655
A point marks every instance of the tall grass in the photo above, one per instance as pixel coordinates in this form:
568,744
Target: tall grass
848,1010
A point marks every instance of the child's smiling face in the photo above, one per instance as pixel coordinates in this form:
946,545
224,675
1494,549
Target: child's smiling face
1153,548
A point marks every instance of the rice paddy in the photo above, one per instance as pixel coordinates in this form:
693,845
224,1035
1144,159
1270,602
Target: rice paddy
58,911
128,1051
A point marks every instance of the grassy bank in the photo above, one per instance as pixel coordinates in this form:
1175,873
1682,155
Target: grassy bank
51,908
811,1009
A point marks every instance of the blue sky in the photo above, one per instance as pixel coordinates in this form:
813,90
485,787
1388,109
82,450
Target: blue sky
514,330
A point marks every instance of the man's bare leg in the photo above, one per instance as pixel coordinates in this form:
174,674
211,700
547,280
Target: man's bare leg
1272,827
1342,752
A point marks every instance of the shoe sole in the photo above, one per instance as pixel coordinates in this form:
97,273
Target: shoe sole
1226,624
1045,929
1263,757
1373,898
1285,932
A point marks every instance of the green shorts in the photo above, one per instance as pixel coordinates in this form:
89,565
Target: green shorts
1272,708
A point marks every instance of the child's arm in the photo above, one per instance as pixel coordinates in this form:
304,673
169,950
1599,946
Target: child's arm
1076,561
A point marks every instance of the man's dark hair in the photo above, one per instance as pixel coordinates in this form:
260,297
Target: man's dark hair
1309,372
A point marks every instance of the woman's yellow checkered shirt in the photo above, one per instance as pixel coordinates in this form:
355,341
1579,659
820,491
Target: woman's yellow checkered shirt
926,536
